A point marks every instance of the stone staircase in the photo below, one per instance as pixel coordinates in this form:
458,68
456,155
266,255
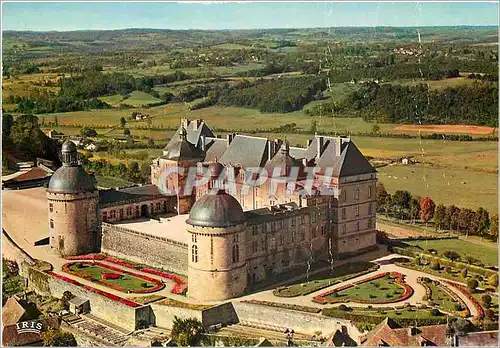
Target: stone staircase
95,327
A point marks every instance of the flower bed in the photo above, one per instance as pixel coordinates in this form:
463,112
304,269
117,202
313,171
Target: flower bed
158,285
179,288
94,290
180,282
469,296
398,277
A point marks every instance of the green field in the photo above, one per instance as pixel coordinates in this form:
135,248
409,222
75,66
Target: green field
126,281
376,290
135,99
111,182
487,253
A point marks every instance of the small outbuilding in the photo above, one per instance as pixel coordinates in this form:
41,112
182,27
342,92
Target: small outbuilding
79,305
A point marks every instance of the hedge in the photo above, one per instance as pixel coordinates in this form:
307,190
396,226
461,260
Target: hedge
285,306
375,318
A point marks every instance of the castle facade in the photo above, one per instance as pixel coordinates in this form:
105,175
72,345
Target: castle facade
232,236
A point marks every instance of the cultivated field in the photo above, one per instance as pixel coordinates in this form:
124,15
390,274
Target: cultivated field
439,128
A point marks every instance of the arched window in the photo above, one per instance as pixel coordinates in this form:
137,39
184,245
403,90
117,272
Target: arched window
236,253
194,253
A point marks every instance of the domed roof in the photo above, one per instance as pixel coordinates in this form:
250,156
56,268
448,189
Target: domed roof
216,210
215,169
71,179
68,146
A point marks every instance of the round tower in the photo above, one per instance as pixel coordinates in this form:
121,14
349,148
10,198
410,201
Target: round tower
217,265
73,207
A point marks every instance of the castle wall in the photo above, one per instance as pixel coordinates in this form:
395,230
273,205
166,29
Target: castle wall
307,323
73,223
147,249
128,211
164,315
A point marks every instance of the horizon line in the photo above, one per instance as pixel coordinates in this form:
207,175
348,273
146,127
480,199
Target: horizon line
264,28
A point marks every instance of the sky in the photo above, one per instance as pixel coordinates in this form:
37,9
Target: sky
64,16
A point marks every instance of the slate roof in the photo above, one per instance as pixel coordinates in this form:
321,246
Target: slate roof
283,161
215,147
193,135
136,193
273,213
352,162
388,333
246,151
179,148
12,312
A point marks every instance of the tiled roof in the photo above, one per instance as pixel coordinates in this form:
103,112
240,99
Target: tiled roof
12,312
479,339
388,333
32,174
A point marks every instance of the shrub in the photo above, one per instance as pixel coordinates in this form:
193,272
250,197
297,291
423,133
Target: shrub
452,255
435,265
472,284
343,307
458,307
464,273
435,312
493,280
486,300
490,314
447,269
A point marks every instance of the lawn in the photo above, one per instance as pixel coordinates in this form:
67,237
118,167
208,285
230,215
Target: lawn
111,182
323,279
488,254
376,290
126,281
441,299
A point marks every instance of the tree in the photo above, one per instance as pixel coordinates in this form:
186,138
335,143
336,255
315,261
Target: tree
88,132
414,209
56,121
465,219
381,194
427,208
123,122
375,128
493,280
490,314
439,216
481,221
434,264
401,200
187,332
494,227
150,142
464,273
486,300
313,127
472,284
58,338
451,217
133,171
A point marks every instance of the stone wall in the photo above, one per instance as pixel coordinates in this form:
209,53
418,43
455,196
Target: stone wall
145,249
221,314
307,323
164,315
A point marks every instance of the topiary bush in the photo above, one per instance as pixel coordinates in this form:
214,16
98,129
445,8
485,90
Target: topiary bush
434,264
435,312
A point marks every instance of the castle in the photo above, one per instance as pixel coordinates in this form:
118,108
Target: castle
320,207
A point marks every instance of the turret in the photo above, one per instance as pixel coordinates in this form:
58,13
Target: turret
73,207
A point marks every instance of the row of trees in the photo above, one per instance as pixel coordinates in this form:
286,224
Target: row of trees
402,205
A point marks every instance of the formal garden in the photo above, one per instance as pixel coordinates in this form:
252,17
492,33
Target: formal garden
113,277
326,278
378,289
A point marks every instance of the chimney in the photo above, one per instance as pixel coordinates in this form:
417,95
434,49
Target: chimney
229,138
319,143
196,124
270,149
338,146
203,142
308,143
184,122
